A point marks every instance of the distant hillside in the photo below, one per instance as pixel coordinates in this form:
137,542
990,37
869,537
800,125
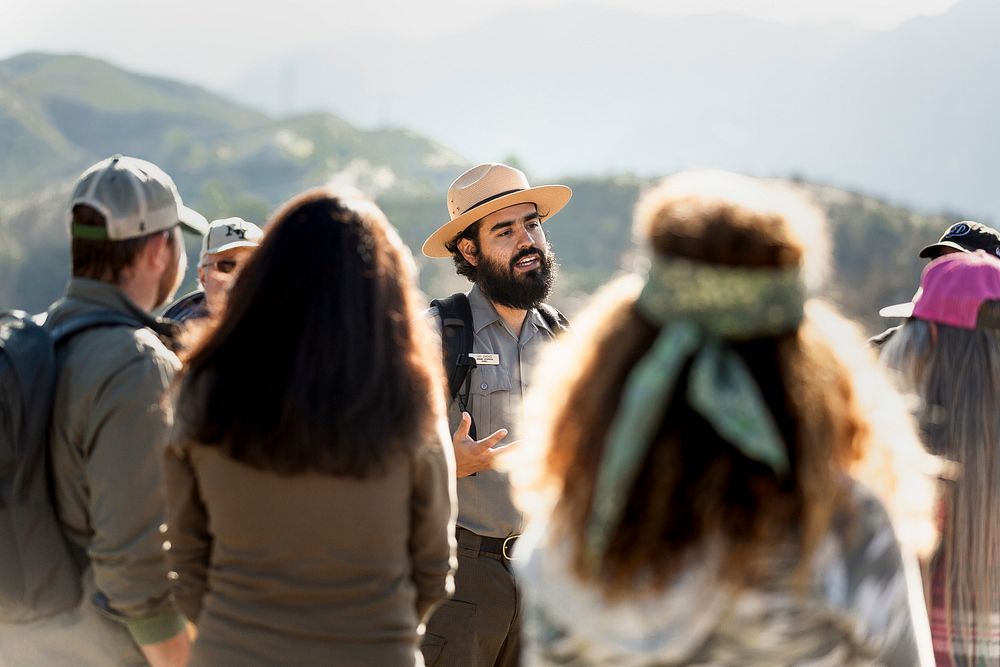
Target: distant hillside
875,246
907,113
64,112
74,110
61,113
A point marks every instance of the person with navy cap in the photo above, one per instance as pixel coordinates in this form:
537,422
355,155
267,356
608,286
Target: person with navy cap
961,237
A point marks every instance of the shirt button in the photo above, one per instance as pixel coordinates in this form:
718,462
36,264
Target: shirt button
484,386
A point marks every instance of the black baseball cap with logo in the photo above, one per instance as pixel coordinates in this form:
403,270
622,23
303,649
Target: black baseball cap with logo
965,236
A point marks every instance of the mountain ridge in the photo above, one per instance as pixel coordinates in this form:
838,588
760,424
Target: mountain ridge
905,112
248,167
67,111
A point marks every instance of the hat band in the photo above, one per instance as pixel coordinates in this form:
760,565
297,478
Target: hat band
89,232
489,199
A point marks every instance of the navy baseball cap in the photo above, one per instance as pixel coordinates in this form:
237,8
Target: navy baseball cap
965,236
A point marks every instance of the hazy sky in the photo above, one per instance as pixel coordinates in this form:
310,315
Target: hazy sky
213,41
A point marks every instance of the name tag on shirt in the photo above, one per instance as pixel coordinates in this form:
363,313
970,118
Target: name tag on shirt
486,359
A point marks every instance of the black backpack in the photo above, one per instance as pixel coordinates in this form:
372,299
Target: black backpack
39,574
457,338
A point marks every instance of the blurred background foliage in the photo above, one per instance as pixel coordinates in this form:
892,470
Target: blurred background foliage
59,114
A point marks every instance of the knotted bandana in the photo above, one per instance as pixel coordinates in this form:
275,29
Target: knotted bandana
699,307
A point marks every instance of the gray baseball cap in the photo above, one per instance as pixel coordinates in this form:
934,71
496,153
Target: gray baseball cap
135,197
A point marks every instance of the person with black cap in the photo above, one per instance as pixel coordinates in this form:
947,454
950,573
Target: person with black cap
947,355
109,426
964,236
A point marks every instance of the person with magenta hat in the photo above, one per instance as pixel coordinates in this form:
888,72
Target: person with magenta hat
961,237
948,354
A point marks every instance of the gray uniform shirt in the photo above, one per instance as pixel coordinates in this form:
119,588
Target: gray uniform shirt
484,500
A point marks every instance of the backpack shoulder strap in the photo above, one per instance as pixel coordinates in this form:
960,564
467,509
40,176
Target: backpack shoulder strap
557,321
13,314
456,338
27,358
100,318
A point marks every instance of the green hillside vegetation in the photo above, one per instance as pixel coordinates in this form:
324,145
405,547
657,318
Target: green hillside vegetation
60,113
874,264
875,245
875,252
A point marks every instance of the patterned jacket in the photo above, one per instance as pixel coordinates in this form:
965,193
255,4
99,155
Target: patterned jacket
864,606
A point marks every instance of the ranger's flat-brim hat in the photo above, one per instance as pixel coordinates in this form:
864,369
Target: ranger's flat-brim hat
135,197
485,189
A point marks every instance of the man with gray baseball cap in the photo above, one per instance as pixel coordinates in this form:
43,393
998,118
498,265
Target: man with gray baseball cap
225,249
110,423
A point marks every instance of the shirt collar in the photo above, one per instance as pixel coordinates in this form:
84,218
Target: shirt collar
110,296
540,322
485,314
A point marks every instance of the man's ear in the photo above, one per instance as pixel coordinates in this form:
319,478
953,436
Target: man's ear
469,251
157,252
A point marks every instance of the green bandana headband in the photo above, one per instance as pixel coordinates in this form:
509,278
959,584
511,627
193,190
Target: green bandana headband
700,307
729,302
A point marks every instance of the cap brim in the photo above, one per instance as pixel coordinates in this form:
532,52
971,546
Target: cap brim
932,251
550,199
192,220
899,310
234,244
231,246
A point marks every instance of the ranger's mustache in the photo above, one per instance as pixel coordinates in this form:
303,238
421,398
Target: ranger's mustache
527,252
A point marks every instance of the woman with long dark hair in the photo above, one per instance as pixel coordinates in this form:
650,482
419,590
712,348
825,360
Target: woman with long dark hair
948,354
713,488
311,483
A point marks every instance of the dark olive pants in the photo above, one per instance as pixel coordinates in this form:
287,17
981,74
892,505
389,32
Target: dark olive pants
480,625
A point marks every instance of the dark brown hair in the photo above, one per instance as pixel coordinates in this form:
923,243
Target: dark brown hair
103,260
694,485
320,361
464,267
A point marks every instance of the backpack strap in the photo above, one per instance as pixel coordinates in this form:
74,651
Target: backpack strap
456,343
556,321
26,356
101,318
14,314
457,336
